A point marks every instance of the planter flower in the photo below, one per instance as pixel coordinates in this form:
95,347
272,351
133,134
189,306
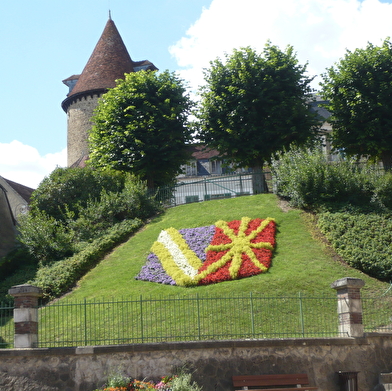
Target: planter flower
206,255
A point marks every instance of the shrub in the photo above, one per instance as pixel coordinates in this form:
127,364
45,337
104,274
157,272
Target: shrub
49,239
70,189
14,260
98,215
46,238
362,240
307,179
183,382
383,190
59,277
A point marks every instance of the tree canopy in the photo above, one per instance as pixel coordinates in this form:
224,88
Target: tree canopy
254,105
140,126
358,88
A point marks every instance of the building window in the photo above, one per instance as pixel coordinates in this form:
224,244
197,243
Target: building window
190,169
215,167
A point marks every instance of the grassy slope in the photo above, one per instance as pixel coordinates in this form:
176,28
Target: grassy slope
300,263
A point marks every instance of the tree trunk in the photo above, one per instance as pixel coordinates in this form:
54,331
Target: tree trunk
386,158
150,182
258,180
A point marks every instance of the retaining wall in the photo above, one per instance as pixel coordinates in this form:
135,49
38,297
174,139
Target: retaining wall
86,368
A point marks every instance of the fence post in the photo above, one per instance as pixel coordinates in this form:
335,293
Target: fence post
348,290
25,315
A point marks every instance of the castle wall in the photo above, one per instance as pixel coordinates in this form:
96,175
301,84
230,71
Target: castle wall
79,125
214,362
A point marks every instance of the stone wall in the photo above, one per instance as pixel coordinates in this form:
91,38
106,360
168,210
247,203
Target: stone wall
79,114
83,369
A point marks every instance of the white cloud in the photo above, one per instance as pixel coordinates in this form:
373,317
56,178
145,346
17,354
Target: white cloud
23,164
320,31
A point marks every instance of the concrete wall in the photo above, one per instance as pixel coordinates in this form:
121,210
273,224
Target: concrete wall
83,369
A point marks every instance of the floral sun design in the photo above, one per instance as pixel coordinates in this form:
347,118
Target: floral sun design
216,253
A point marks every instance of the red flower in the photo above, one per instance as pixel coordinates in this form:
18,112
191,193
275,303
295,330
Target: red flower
239,248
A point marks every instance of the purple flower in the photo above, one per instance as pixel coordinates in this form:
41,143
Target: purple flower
154,272
197,239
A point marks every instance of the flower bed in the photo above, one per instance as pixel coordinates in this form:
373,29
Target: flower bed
211,254
180,382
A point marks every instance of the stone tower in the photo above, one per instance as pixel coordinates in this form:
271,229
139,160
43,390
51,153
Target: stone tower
108,62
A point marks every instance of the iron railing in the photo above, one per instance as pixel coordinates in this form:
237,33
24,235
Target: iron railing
195,318
377,313
6,325
197,189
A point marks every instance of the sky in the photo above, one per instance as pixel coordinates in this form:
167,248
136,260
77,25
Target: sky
45,41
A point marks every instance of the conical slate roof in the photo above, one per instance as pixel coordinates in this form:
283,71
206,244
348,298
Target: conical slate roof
108,62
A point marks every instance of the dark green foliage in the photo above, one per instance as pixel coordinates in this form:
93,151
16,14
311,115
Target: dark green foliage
70,189
383,190
358,89
64,242
362,240
46,238
59,277
24,273
49,239
14,260
140,126
111,208
254,105
307,179
358,223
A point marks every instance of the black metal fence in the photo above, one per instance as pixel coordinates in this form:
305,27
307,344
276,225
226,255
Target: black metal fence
142,319
197,189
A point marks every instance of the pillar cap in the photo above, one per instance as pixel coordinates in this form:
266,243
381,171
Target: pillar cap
348,282
25,290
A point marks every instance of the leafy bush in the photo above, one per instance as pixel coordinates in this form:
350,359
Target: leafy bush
24,273
307,179
59,277
98,215
70,189
14,261
46,238
183,382
383,190
50,239
362,240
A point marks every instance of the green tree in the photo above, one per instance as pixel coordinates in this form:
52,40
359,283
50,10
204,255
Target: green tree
140,126
358,88
254,105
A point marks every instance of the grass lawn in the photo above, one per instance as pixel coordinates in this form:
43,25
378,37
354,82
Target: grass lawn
302,266
300,262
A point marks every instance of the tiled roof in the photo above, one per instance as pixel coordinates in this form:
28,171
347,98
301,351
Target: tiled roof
108,62
200,151
24,191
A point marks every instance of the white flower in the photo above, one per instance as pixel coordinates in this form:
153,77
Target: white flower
177,255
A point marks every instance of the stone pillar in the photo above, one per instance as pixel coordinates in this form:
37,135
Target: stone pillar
349,305
25,315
